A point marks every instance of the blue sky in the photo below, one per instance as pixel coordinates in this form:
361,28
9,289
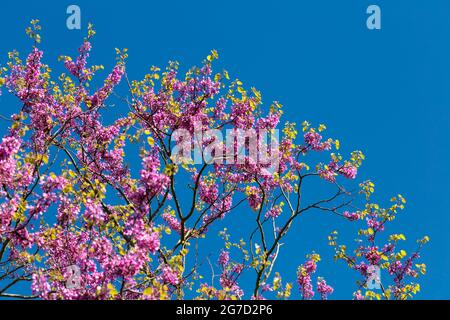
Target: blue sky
385,92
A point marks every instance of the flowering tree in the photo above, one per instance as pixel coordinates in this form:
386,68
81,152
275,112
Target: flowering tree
80,219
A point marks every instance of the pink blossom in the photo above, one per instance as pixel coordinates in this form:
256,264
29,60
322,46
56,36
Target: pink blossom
224,258
324,289
170,276
358,296
352,216
349,171
274,212
314,140
154,181
94,213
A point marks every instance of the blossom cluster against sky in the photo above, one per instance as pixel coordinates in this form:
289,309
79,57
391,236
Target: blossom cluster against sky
386,92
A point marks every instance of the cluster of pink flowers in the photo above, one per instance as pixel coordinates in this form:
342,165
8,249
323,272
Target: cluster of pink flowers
7,210
33,91
229,279
324,289
54,182
111,81
269,122
352,216
218,211
372,255
314,140
328,175
333,168
170,276
96,213
375,224
8,148
219,109
349,171
209,192
358,295
146,239
78,68
153,180
40,285
68,211
274,212
172,221
304,280
254,197
242,116
224,258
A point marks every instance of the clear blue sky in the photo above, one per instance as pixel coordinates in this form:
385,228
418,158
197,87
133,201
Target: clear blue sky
385,92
